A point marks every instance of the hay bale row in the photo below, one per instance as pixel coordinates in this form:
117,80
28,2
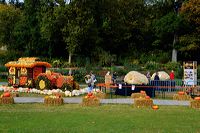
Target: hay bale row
7,100
90,101
142,102
138,95
53,101
195,104
181,97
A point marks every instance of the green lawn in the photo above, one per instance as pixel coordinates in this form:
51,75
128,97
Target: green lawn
112,118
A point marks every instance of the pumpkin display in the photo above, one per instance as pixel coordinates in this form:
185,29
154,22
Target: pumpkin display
134,77
162,75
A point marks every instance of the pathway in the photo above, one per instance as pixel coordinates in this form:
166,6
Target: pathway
78,100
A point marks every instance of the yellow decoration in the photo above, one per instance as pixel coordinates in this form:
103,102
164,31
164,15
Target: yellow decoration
12,70
42,84
23,71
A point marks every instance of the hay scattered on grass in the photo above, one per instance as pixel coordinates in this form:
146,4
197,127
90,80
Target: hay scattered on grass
7,100
53,101
142,102
138,95
181,97
195,104
90,101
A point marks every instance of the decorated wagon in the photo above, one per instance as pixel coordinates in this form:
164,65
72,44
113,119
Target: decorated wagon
31,72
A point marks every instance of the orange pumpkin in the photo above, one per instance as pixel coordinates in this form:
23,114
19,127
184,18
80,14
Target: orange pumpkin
142,92
181,92
6,94
147,97
89,94
197,98
155,107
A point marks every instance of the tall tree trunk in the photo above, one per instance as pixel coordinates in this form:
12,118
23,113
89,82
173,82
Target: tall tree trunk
174,51
69,61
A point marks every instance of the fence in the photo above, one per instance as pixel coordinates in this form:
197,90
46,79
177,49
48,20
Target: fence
159,88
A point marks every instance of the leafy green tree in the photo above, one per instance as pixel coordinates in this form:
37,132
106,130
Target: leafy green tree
9,16
190,41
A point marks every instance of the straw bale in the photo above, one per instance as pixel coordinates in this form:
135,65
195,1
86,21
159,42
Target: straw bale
53,101
142,102
138,95
7,100
181,97
195,104
90,101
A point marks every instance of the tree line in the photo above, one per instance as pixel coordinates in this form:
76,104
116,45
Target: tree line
101,31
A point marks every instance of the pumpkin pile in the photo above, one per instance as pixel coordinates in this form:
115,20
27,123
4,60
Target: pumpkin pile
195,103
6,98
181,96
143,101
142,94
90,100
55,99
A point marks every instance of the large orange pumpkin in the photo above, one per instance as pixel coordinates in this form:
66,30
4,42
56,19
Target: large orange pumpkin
6,94
181,92
197,98
142,92
147,97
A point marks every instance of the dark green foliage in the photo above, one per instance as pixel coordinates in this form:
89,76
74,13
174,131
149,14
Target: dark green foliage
97,32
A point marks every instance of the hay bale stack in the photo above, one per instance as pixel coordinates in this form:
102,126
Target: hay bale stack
53,100
181,97
195,104
138,95
86,101
6,100
143,102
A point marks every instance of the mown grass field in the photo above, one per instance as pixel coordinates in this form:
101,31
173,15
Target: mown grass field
111,118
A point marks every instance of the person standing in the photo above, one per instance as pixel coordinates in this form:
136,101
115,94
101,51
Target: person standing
89,81
172,82
156,80
114,77
156,77
172,75
148,76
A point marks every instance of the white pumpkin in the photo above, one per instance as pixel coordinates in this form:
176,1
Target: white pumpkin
134,77
162,75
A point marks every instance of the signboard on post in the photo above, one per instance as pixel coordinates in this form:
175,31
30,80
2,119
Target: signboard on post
190,73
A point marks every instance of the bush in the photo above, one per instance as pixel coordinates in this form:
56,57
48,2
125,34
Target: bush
150,65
